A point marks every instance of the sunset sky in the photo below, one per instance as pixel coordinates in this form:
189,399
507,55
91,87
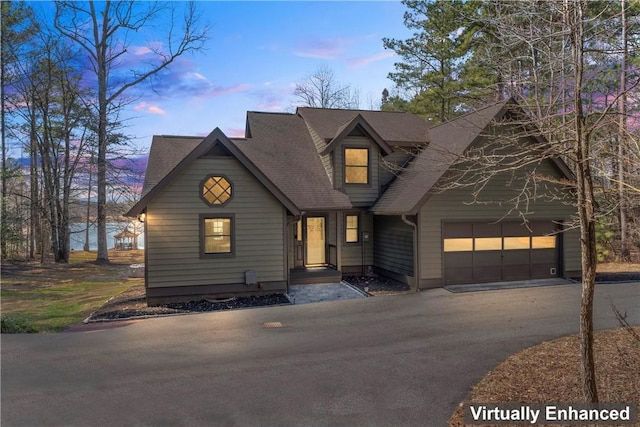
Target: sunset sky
255,54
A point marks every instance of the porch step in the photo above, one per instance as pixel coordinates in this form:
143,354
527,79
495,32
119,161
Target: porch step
305,276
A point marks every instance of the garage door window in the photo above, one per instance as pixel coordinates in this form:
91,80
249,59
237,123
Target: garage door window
458,245
513,243
499,243
488,243
543,242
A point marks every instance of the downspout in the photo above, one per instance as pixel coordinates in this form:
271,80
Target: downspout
416,257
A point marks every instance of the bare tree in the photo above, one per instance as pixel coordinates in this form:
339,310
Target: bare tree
104,31
18,26
544,56
51,103
321,90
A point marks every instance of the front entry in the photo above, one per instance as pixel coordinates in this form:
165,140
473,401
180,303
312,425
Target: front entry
315,241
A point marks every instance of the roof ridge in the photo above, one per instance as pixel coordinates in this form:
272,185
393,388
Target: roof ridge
281,113
495,104
182,136
353,110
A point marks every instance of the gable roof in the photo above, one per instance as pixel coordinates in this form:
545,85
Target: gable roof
395,128
449,141
344,130
169,156
281,146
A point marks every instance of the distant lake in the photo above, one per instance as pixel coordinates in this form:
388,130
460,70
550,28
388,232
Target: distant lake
113,228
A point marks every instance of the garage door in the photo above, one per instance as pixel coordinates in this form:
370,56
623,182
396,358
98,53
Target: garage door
475,252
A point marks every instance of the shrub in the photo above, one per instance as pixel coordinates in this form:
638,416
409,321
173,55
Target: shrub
16,325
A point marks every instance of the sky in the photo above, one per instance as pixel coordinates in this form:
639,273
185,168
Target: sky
255,54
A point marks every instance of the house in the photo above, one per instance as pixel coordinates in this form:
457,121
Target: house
310,196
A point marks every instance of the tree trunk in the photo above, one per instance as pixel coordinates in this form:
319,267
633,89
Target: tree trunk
622,139
101,39
585,206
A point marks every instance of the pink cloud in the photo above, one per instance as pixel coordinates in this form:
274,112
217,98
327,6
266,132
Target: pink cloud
149,108
233,132
359,62
322,48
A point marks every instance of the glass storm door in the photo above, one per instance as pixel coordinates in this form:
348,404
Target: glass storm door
315,243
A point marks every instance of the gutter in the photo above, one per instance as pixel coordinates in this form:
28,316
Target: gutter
416,257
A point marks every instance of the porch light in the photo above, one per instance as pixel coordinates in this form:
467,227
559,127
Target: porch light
142,217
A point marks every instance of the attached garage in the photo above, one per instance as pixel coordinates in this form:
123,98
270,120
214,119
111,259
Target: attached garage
475,252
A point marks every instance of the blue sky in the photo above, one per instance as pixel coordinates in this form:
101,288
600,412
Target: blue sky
255,54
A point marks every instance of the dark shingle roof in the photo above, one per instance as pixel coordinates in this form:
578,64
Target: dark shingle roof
165,154
448,142
396,128
281,147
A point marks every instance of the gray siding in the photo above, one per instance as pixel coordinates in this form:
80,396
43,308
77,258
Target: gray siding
393,245
173,233
457,204
360,194
351,253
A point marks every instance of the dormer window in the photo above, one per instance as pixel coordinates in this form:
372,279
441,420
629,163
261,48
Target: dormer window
356,165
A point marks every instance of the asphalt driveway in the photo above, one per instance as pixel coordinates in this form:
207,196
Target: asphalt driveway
381,361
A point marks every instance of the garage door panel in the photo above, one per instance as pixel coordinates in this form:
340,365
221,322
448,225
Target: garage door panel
517,257
543,256
457,229
458,275
514,229
486,230
492,273
516,272
459,259
541,271
487,258
541,228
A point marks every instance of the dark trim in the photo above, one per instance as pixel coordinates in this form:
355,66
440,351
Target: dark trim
205,179
163,295
232,217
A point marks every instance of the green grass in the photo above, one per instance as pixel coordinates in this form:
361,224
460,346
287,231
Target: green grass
51,297
54,308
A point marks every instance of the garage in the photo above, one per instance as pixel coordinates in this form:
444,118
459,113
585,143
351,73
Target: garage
476,252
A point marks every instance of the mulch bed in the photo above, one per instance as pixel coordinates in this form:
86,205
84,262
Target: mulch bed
132,303
550,373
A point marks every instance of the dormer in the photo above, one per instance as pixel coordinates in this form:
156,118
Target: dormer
357,147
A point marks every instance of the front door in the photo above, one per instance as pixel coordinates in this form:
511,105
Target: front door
316,249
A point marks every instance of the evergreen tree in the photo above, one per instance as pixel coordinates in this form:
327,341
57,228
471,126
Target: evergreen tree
434,71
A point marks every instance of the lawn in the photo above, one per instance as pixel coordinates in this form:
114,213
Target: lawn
49,297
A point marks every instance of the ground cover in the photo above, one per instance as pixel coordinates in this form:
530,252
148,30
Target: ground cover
549,373
49,297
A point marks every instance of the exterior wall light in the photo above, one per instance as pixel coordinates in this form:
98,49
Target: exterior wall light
142,217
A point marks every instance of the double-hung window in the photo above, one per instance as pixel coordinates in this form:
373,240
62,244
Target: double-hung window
352,229
356,165
216,235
